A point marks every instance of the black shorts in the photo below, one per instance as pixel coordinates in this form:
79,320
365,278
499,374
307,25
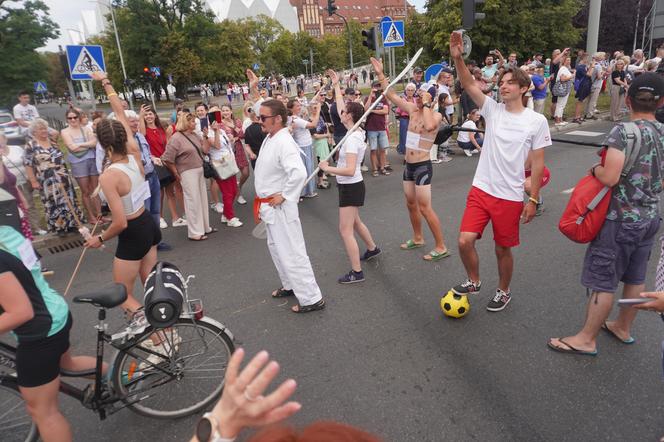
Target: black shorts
351,195
38,362
420,172
135,241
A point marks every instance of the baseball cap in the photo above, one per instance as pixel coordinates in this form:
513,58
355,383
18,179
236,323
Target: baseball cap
417,70
647,82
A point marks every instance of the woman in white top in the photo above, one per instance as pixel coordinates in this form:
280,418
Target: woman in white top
564,76
124,187
302,136
470,142
81,143
351,194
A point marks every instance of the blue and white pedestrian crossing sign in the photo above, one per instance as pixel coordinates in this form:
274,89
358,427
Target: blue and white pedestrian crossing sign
393,33
40,87
83,60
256,66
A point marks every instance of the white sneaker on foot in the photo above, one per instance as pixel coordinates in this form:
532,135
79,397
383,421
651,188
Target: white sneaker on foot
162,223
364,169
241,200
234,222
218,207
468,153
224,219
180,222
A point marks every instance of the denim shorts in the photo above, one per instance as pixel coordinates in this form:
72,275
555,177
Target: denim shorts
85,168
377,138
619,253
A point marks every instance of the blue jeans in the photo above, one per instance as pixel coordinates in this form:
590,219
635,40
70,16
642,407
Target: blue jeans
308,160
403,130
153,204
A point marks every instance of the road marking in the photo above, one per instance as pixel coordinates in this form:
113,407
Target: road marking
584,133
568,191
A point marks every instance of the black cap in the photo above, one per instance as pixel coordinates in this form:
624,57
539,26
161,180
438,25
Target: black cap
417,70
647,82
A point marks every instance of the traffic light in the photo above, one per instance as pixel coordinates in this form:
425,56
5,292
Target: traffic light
331,7
469,15
369,38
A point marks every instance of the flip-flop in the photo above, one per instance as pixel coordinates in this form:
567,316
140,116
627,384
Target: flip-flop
212,230
282,293
320,305
410,245
200,238
570,349
434,255
627,341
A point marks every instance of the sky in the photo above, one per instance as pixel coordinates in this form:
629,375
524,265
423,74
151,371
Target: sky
67,13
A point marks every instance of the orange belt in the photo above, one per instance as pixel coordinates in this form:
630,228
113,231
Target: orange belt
257,206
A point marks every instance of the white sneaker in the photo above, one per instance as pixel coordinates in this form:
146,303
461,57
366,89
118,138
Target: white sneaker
41,232
234,222
224,219
468,153
241,200
180,222
218,207
364,169
446,158
474,151
162,223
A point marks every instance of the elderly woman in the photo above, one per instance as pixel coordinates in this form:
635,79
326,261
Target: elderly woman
81,143
618,89
184,158
48,173
564,76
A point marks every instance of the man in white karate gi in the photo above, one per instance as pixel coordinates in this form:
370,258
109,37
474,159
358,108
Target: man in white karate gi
278,178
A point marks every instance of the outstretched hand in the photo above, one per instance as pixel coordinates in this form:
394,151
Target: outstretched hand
377,64
253,79
98,75
242,403
657,304
456,45
333,76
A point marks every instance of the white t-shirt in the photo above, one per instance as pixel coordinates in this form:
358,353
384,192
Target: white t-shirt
301,134
26,113
464,137
563,71
508,139
354,144
215,153
14,162
449,109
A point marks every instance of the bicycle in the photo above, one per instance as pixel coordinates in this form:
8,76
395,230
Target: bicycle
178,376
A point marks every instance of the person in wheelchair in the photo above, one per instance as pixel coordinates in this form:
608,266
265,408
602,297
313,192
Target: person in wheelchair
39,318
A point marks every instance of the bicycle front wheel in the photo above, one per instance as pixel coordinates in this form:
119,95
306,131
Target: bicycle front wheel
174,372
15,423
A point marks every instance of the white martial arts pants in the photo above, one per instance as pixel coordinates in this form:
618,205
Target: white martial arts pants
289,253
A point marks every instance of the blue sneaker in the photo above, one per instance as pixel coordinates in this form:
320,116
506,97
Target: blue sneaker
352,277
164,247
370,254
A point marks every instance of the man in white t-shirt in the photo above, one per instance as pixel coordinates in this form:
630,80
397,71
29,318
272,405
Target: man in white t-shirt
24,112
512,132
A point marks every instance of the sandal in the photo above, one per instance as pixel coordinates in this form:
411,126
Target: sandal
200,238
435,255
384,172
570,349
628,341
282,293
374,173
320,305
410,245
212,230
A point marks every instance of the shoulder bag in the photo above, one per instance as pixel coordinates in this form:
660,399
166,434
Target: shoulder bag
208,170
226,167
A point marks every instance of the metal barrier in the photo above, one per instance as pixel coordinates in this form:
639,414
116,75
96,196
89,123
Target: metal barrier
55,123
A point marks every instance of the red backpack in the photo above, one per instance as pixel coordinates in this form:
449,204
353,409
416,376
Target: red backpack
586,210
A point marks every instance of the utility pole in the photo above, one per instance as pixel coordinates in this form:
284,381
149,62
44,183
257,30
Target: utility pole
593,26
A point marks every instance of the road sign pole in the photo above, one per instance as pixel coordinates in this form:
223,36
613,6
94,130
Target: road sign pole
154,105
124,71
92,96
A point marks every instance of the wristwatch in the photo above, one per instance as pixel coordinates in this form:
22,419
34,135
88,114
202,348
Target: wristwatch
206,430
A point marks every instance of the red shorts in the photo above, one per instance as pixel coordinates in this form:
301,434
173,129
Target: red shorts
546,176
503,214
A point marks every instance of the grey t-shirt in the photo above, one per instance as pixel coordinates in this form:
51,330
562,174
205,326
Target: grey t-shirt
635,198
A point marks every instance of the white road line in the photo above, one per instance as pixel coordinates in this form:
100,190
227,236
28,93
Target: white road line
568,191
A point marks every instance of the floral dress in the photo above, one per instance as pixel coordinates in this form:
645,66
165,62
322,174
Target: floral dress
57,190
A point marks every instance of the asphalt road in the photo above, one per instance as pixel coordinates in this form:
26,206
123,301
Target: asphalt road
383,357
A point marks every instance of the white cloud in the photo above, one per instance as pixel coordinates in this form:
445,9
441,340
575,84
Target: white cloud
67,14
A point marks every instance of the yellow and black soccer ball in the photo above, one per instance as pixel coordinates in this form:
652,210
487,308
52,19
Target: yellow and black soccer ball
455,306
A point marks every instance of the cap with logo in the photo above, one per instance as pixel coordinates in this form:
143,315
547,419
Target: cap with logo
647,82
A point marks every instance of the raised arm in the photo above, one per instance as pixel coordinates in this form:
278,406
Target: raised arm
389,93
253,85
467,81
341,106
141,118
431,119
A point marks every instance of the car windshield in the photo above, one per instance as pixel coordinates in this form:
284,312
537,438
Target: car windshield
5,118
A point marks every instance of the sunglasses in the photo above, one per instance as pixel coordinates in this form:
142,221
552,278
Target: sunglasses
265,117
72,118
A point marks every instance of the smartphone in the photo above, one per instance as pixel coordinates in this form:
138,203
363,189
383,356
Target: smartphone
204,123
632,301
214,116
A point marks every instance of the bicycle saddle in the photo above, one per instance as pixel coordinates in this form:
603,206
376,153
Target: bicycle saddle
108,297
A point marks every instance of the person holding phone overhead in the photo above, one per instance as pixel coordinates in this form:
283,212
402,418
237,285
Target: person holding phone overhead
233,128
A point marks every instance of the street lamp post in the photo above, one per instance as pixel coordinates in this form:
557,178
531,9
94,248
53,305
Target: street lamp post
350,41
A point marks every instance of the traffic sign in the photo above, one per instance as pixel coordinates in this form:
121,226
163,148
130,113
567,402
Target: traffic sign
156,70
256,66
40,87
393,33
83,60
432,71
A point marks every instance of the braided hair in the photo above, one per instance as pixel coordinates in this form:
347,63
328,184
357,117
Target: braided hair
112,136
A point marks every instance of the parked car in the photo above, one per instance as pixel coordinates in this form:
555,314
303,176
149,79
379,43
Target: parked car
15,135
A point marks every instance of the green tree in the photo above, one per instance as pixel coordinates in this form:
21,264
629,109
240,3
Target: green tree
262,31
55,78
361,53
24,27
